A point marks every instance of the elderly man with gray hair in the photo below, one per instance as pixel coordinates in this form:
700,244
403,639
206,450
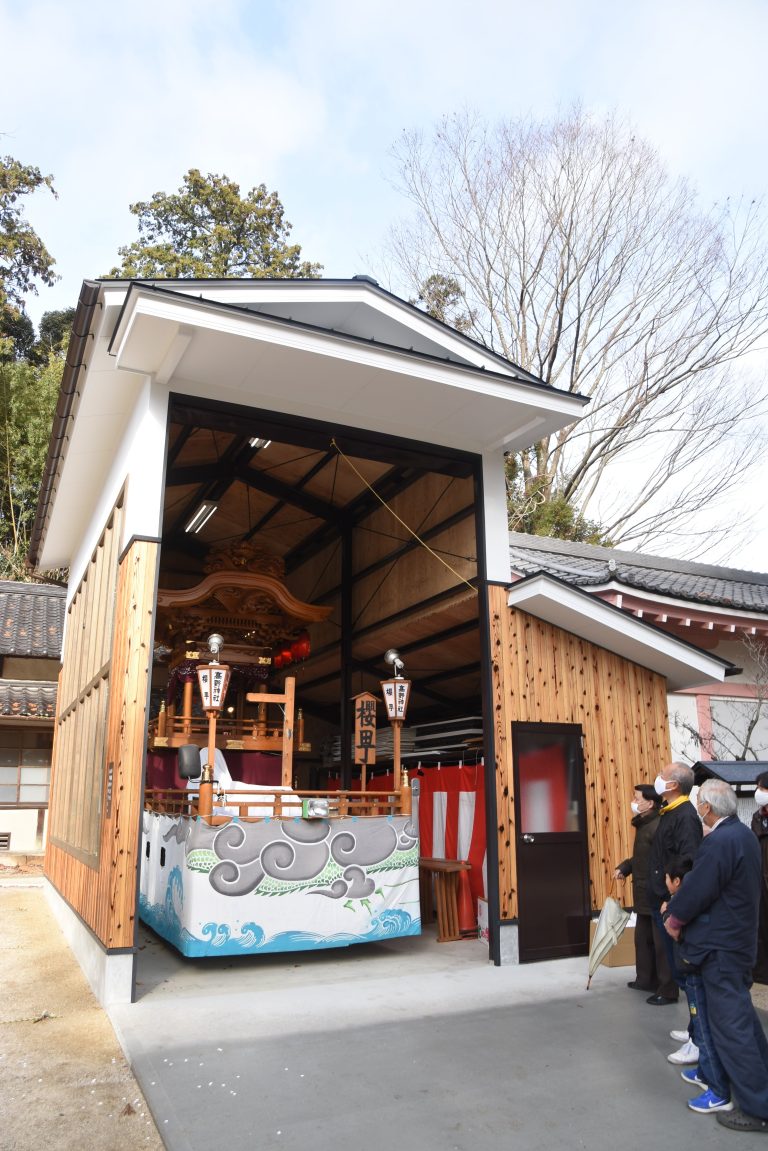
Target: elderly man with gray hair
714,915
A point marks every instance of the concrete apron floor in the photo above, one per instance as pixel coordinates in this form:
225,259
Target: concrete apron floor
412,1044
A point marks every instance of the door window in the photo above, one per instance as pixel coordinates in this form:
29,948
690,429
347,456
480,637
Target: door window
548,782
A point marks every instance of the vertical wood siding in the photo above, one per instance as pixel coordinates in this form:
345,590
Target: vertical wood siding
542,674
103,891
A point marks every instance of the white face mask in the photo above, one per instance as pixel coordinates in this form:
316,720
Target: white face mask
761,797
660,785
635,806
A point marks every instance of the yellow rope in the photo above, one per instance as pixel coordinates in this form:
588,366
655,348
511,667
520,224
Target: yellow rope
392,512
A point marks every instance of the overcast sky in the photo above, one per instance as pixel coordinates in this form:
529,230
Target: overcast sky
117,100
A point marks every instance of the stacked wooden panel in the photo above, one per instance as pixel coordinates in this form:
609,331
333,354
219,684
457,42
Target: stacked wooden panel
98,754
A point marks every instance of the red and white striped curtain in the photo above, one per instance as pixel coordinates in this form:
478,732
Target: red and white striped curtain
452,819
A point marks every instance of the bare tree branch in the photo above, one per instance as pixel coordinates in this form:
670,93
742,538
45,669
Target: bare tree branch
739,730
572,251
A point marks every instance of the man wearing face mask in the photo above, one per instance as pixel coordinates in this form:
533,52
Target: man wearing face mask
760,828
678,836
645,811
716,912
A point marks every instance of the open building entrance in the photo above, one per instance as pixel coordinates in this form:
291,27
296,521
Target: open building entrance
170,393
379,538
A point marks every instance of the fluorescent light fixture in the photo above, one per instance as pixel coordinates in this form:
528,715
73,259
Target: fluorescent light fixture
201,517
255,442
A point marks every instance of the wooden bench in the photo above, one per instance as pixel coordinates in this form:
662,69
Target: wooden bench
445,873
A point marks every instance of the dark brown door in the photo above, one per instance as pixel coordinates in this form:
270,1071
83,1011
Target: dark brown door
551,841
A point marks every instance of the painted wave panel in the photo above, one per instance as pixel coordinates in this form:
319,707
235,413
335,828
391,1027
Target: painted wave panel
278,885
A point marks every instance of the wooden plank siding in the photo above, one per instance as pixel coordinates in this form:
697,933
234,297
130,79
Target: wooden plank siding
407,574
102,890
542,674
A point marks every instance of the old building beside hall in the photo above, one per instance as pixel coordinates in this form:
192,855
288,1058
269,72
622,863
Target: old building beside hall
31,624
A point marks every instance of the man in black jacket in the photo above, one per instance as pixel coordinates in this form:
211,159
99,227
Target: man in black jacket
645,821
717,909
677,836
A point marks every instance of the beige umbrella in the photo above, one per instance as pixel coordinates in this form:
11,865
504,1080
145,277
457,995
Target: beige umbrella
610,925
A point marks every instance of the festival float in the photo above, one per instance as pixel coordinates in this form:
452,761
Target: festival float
235,859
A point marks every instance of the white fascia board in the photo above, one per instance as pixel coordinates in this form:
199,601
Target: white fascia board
154,324
584,615
92,480
145,355
245,294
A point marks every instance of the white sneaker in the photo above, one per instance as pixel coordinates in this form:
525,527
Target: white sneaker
679,1036
688,1053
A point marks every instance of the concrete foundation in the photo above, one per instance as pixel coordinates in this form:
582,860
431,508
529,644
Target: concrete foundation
110,976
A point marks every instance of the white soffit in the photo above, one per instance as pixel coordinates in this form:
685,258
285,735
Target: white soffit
244,357
608,627
353,307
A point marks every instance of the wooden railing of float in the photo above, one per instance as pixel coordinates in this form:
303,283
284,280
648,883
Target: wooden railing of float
279,804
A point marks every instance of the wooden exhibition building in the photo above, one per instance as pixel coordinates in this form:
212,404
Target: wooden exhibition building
320,465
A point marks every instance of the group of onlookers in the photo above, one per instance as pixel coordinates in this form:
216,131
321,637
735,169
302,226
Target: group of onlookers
700,881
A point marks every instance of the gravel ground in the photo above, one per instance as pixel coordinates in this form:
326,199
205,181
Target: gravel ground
64,1082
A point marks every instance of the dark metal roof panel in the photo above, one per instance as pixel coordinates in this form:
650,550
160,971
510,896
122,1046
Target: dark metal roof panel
730,770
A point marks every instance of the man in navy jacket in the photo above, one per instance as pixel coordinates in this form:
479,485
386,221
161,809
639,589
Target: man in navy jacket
714,914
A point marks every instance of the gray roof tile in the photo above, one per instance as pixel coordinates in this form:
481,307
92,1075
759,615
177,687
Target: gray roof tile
585,565
31,619
27,699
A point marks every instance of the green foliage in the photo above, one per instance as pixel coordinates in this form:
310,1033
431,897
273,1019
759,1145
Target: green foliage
30,371
18,340
442,298
17,335
28,394
534,507
207,229
55,329
24,258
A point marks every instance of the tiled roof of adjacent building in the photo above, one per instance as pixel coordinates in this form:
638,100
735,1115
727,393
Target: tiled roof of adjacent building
31,619
588,566
27,699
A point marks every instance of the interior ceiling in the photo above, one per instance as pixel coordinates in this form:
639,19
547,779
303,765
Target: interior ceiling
296,499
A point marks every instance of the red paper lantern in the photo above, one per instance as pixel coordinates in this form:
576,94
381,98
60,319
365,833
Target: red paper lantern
301,646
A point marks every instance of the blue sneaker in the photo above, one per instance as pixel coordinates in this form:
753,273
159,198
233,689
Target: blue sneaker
691,1075
708,1101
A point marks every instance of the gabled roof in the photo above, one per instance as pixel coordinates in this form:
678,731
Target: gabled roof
564,606
357,309
587,566
31,619
338,354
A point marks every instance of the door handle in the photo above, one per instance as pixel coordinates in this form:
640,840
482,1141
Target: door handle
528,839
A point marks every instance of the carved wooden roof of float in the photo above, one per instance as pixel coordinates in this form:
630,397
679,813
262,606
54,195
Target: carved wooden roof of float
243,596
